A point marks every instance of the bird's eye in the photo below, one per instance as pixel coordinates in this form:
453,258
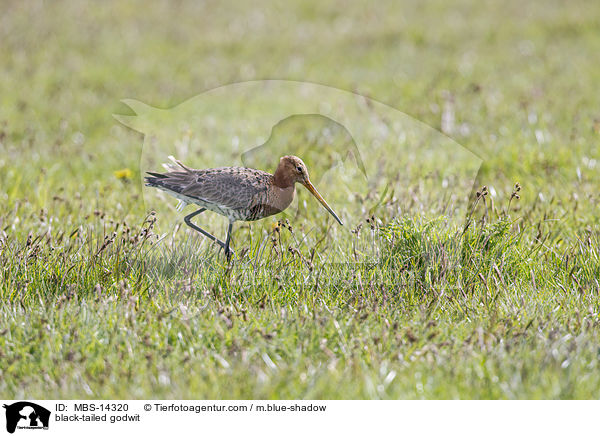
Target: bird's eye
299,168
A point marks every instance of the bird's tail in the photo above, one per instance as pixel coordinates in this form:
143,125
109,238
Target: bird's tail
173,181
155,179
176,165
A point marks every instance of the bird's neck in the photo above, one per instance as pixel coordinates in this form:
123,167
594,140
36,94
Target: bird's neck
282,179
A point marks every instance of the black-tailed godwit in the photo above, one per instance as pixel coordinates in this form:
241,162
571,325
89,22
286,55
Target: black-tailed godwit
239,194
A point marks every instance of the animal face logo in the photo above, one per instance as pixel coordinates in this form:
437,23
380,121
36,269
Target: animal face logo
26,415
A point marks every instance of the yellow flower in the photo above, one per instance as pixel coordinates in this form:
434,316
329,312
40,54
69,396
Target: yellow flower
125,173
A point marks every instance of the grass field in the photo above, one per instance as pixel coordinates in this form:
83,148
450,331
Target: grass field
94,305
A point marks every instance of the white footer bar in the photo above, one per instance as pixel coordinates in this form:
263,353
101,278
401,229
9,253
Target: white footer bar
290,417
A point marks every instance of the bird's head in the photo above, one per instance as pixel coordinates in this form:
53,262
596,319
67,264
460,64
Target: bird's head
292,169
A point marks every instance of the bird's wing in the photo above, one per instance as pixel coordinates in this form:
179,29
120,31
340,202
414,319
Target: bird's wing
230,187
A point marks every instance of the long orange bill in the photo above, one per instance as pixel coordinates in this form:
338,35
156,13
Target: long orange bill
314,192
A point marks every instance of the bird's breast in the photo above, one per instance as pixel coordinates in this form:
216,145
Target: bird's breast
282,197
270,202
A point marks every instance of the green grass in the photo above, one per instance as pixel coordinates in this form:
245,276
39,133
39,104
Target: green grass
99,298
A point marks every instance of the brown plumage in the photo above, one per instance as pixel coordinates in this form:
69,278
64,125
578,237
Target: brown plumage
240,194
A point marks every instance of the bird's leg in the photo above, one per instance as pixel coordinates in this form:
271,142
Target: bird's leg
228,251
188,221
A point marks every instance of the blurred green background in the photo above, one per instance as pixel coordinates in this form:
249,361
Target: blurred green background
506,69
515,82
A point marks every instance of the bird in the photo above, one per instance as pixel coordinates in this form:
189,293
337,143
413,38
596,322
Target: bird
237,193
